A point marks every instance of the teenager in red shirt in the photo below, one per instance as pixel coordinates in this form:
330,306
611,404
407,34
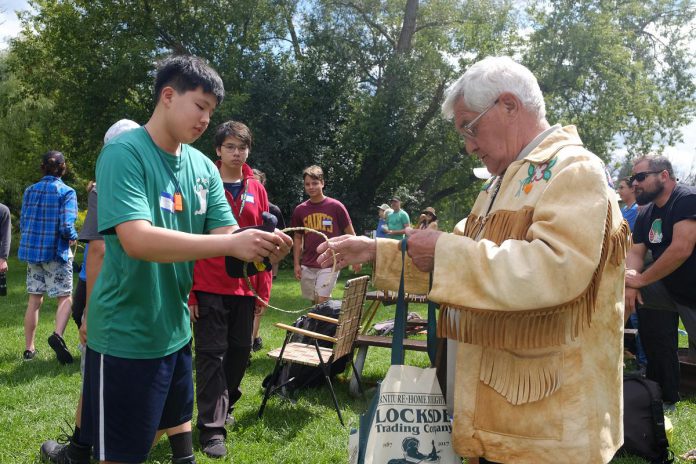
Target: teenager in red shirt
222,308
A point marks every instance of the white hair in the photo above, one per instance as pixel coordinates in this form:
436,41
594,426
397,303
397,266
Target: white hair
118,128
483,82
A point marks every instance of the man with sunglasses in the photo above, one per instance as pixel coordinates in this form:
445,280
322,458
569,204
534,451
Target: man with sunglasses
666,290
529,285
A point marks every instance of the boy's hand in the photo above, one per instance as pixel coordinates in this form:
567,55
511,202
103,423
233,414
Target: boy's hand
282,251
193,312
83,332
298,272
259,308
253,245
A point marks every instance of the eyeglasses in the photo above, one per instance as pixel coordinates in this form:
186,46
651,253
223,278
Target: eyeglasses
232,147
469,131
641,176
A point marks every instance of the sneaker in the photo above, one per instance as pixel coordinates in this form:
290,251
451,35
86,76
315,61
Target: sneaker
215,448
65,451
258,344
58,344
28,355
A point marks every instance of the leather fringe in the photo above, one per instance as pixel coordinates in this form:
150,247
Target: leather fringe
521,379
620,243
536,328
501,225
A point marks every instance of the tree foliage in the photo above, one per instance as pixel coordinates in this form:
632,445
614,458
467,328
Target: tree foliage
352,85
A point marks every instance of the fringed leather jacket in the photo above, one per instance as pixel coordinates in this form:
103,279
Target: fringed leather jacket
531,286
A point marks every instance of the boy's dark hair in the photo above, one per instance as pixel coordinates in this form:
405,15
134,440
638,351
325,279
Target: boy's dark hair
233,129
53,164
626,180
315,172
187,72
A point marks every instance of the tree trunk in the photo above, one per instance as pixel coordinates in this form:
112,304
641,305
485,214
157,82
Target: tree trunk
408,29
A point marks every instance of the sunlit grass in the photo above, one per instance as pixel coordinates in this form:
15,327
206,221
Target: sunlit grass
38,398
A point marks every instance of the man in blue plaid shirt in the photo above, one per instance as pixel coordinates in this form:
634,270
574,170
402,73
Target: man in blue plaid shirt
47,227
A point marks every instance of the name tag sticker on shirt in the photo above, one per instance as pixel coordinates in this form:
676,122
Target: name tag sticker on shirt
249,197
167,202
326,222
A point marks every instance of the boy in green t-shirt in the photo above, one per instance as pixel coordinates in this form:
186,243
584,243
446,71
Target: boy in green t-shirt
157,197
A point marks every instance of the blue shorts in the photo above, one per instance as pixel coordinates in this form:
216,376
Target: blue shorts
126,401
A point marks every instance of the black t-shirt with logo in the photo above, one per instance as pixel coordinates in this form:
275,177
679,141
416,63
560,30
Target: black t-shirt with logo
654,228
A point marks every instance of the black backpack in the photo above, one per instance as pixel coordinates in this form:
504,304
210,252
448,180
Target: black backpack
296,376
644,421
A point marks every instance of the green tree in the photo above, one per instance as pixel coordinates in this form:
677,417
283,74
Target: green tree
620,70
352,85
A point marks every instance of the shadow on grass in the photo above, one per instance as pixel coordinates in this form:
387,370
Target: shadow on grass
23,372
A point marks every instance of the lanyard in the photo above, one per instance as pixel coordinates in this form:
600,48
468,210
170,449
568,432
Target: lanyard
178,195
244,192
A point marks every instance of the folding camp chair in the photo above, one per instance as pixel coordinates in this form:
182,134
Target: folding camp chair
311,354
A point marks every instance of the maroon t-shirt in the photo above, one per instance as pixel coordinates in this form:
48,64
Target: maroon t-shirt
329,216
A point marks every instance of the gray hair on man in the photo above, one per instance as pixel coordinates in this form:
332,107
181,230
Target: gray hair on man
483,82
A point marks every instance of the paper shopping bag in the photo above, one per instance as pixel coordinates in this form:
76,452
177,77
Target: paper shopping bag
410,423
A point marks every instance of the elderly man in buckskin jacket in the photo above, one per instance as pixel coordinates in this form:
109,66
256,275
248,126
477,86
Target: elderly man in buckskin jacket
530,285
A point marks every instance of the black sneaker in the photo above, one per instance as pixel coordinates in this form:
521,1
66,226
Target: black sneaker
258,344
58,344
28,355
65,451
215,448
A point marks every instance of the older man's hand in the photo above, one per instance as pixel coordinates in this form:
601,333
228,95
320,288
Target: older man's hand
349,249
421,247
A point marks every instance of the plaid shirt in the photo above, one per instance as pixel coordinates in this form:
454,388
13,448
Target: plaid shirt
47,223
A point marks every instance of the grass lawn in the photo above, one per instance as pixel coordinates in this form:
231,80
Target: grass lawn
38,398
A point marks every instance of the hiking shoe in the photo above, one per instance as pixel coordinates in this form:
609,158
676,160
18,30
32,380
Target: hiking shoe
258,344
58,344
65,451
215,448
28,355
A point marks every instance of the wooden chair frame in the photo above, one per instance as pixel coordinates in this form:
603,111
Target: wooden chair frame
311,354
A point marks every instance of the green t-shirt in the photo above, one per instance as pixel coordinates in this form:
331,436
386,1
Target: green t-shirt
396,221
138,309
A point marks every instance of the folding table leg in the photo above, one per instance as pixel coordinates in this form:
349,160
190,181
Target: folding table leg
356,375
369,315
358,365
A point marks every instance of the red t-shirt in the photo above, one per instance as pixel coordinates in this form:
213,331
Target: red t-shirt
209,275
329,216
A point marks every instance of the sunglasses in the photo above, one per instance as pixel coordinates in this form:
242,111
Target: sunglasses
641,176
